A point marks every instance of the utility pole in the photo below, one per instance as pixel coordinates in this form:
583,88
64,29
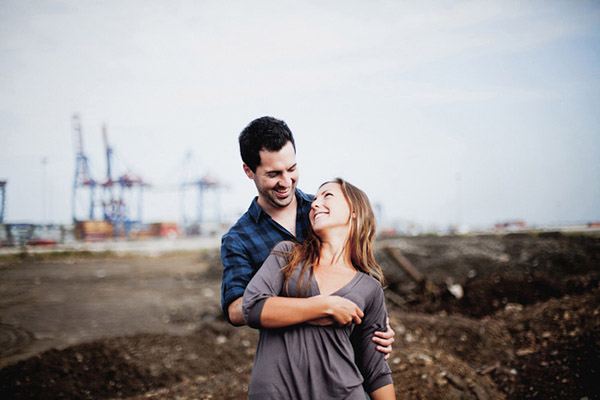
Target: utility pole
45,190
2,200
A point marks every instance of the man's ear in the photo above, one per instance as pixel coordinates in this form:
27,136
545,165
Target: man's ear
248,171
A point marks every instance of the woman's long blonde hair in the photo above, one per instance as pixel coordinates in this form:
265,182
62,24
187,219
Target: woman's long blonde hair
359,245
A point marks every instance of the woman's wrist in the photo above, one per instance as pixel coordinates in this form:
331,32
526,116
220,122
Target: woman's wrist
322,306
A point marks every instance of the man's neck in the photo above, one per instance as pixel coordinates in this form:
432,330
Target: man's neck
275,212
284,216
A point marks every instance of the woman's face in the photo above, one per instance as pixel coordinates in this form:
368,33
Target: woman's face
330,208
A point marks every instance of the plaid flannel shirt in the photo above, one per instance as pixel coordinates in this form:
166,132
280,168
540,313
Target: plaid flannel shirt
249,242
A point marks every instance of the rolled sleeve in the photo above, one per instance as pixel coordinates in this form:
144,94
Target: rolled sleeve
237,270
267,282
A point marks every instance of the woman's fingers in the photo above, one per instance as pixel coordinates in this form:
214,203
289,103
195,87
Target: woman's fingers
345,311
360,312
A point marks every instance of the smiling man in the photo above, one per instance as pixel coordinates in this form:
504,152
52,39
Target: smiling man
279,212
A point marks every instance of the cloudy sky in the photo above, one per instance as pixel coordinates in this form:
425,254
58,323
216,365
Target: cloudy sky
444,112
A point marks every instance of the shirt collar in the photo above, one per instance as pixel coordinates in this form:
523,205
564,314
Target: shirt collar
256,211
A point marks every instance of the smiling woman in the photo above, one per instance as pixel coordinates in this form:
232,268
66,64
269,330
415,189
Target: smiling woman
330,208
315,360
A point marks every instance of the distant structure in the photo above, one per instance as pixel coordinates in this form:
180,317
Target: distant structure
206,211
205,186
115,216
117,193
84,186
2,200
511,226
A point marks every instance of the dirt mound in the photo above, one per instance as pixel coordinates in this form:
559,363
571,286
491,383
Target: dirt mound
13,339
478,342
423,373
557,347
88,371
493,271
486,295
124,367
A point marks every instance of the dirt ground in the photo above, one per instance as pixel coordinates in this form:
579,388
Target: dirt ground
527,325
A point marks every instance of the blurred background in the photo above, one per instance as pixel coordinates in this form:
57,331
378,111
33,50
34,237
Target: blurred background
473,127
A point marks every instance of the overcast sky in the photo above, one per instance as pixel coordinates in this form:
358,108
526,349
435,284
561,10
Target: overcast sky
443,112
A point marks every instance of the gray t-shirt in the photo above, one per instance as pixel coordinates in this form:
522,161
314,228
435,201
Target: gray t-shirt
315,362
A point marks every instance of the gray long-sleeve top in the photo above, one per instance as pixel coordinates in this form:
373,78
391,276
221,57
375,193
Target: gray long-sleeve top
315,362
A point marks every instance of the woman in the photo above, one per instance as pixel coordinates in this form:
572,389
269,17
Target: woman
335,267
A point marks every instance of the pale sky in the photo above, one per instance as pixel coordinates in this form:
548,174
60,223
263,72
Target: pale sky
443,112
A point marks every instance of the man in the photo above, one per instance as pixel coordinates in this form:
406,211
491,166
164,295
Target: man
278,213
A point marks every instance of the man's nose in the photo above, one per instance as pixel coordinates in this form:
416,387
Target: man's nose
286,180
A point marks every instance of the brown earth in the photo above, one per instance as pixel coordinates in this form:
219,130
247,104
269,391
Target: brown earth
527,326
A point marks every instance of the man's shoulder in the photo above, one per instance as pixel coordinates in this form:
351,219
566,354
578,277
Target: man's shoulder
305,196
242,228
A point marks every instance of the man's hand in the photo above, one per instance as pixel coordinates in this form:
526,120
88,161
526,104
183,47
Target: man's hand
384,340
236,316
343,311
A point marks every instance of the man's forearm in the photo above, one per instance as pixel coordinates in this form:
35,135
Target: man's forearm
236,316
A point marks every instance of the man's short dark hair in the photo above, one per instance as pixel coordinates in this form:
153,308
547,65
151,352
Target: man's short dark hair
265,133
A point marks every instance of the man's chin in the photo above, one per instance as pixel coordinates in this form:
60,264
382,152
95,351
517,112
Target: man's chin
282,202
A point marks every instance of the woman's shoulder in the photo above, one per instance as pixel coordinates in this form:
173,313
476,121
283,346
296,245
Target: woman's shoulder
371,284
284,246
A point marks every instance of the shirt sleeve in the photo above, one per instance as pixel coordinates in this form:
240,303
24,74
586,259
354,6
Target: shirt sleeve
237,270
267,282
371,362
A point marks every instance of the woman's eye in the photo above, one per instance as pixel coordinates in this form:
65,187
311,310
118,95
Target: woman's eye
328,194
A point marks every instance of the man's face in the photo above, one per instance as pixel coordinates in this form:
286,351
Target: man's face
276,177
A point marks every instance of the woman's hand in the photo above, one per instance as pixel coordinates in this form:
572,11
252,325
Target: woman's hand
343,311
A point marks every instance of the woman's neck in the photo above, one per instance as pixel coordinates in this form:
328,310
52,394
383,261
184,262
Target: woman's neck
333,251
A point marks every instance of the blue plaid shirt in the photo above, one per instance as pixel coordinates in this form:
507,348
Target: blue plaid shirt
249,242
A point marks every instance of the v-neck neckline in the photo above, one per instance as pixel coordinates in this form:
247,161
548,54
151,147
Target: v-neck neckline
342,290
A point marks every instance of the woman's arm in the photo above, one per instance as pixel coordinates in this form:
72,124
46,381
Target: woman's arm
263,307
370,362
384,393
278,312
